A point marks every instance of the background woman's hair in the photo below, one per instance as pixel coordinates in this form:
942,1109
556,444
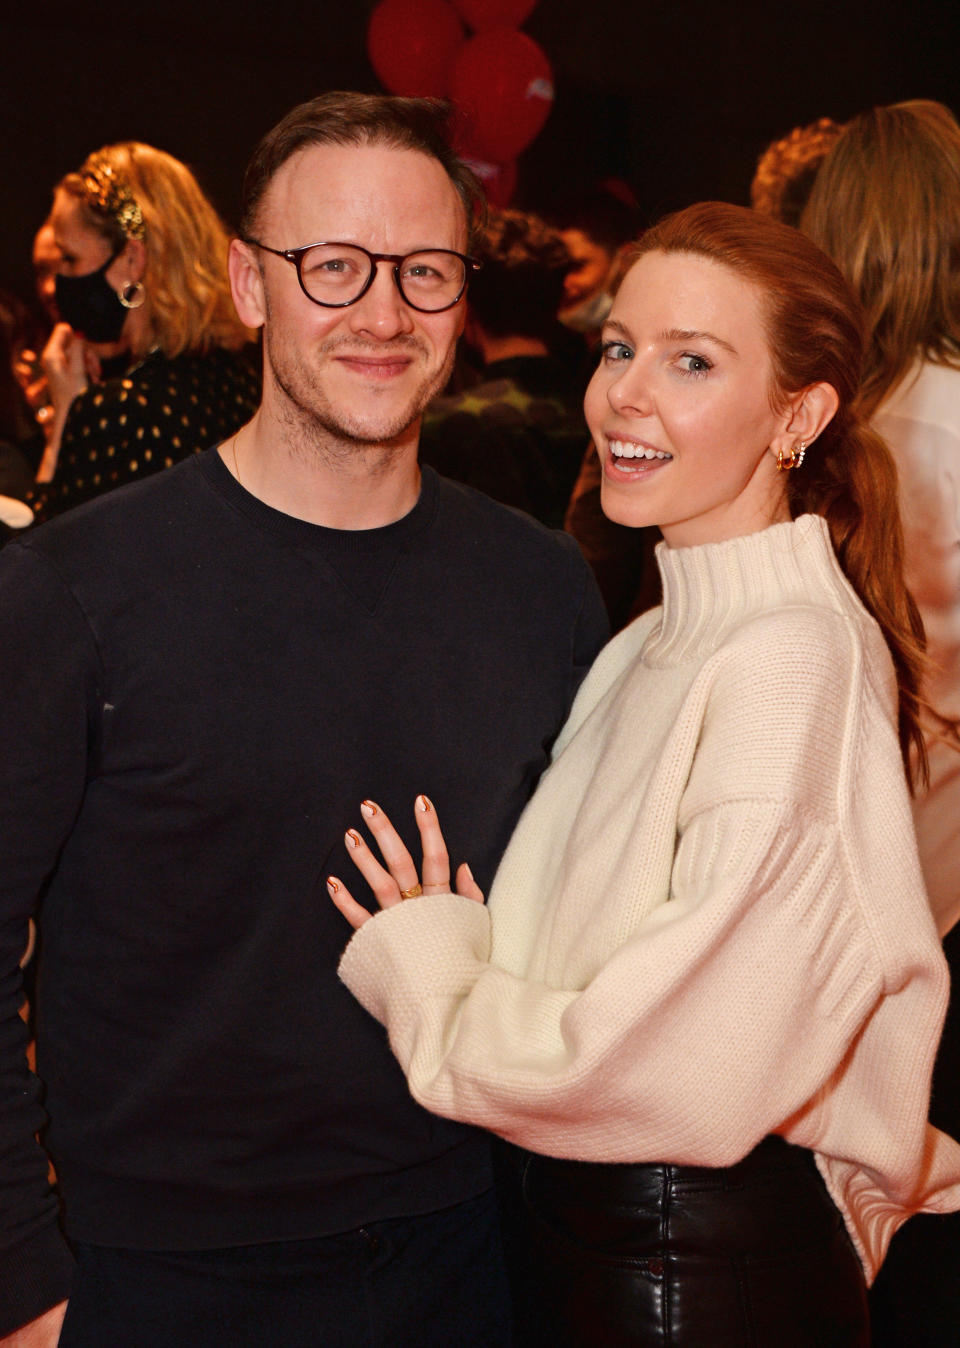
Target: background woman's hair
187,288
520,286
815,334
787,168
886,207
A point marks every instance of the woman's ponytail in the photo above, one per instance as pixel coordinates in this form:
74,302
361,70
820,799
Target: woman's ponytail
850,477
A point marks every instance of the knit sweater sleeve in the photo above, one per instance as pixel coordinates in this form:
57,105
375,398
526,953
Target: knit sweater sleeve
675,1049
734,941
682,1044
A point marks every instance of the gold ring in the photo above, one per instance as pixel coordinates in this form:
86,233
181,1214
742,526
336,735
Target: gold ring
412,892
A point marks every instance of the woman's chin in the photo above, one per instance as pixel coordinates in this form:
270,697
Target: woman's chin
622,507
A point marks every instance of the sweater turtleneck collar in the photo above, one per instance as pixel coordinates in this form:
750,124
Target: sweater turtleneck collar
711,588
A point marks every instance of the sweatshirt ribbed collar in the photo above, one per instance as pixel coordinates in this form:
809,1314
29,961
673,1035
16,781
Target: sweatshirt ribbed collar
710,589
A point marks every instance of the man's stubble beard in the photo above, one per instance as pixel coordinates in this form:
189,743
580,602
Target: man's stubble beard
314,426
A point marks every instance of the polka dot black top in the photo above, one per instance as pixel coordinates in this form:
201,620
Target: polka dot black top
157,413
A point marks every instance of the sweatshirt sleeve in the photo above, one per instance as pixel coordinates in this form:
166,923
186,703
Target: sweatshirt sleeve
49,679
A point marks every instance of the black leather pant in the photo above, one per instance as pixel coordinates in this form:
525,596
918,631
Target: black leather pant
754,1255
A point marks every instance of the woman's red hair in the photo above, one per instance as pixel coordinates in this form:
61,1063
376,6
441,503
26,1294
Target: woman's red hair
815,334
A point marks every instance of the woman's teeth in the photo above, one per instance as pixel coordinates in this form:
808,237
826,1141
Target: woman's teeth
622,449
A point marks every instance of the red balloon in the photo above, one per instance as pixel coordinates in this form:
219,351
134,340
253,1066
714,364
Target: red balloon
484,14
411,45
504,85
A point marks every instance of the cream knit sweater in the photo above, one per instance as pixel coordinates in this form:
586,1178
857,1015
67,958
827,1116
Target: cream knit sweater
710,923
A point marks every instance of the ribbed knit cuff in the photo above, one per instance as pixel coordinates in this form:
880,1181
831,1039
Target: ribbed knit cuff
433,947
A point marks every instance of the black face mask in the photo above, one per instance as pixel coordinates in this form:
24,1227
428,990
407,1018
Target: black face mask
91,305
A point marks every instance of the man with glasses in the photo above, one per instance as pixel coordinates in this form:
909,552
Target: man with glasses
203,676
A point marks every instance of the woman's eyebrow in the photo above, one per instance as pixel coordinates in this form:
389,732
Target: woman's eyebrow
690,335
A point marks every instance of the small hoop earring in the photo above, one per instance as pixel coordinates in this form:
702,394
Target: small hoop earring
794,459
132,294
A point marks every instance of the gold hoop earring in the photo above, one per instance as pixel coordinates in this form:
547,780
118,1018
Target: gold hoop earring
785,462
132,294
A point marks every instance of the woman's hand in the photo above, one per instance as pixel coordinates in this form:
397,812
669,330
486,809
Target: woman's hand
65,365
29,374
398,880
66,368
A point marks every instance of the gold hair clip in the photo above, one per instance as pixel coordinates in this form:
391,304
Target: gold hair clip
110,194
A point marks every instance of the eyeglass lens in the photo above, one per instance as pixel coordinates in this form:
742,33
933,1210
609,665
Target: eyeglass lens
336,274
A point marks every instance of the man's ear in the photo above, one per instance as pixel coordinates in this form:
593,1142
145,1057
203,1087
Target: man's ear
806,414
246,283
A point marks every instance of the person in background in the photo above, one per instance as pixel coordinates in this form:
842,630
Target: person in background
886,207
45,256
199,671
19,432
704,1001
519,434
149,362
595,226
787,168
26,366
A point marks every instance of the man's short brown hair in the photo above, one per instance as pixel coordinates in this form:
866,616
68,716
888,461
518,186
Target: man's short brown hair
347,118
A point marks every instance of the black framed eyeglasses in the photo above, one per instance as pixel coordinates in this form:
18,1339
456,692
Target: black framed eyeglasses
338,274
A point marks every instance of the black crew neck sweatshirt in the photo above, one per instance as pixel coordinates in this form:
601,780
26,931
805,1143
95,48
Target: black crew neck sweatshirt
197,692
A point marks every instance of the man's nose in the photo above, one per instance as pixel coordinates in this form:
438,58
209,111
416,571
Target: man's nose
382,311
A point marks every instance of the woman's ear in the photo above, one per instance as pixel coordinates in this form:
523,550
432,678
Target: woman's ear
807,413
246,282
134,260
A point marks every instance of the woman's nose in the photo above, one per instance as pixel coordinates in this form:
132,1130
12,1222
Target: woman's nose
631,391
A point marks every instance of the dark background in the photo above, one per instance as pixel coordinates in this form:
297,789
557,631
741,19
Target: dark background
676,96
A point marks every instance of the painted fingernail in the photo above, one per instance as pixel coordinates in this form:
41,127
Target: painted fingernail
368,809
423,805
333,885
353,838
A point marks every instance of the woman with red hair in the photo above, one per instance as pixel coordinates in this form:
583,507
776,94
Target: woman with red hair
704,1000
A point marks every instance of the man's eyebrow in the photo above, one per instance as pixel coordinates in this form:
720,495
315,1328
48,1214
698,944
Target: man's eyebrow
689,335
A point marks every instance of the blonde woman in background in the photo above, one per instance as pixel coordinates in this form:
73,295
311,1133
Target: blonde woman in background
151,362
886,207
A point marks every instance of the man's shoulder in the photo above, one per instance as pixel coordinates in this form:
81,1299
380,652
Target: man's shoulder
130,516
491,521
509,563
